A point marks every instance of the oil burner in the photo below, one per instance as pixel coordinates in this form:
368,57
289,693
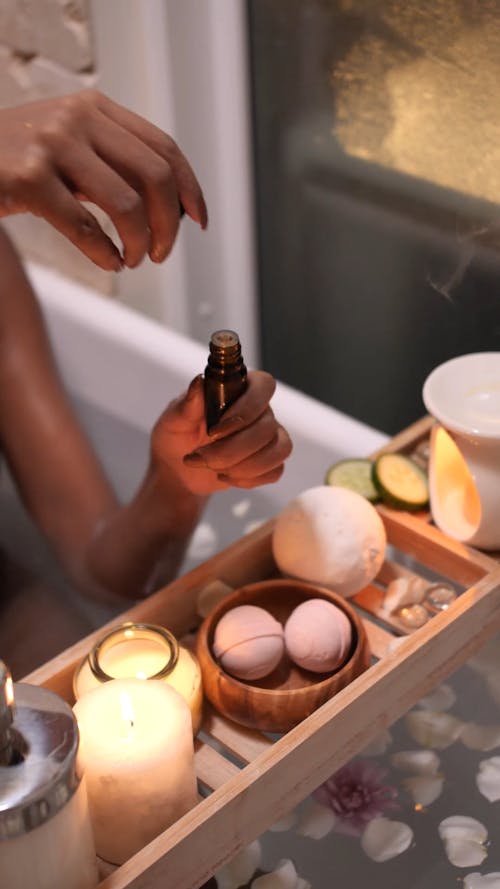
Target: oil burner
463,395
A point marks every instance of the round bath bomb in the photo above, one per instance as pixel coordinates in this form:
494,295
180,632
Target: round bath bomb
331,536
318,636
248,642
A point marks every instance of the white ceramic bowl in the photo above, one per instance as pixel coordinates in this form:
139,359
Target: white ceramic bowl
464,394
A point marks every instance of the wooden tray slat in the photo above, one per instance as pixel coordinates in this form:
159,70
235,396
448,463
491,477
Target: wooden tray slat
212,769
244,743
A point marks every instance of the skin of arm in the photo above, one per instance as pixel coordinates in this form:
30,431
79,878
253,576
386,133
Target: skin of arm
109,549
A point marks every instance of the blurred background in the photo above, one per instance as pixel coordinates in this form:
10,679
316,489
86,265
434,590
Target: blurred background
350,155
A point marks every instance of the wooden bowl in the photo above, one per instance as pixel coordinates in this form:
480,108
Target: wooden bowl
281,700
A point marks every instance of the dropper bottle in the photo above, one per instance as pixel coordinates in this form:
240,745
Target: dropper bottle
225,375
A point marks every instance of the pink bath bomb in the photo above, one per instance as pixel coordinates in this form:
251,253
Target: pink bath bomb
248,642
318,636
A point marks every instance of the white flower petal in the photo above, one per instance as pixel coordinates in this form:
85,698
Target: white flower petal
240,509
419,762
284,823
203,542
465,853
424,789
487,659
464,840
488,778
383,839
482,881
463,826
433,729
252,526
284,876
480,737
441,698
241,868
316,821
379,745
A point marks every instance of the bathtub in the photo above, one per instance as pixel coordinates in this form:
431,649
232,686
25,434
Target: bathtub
120,370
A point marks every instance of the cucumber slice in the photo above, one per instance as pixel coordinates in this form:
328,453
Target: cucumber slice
355,474
401,482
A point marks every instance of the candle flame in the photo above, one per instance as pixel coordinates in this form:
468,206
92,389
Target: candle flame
140,675
128,714
9,690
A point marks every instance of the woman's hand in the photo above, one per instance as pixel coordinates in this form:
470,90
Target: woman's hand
246,449
84,146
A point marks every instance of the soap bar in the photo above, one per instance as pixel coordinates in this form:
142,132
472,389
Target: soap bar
318,636
248,642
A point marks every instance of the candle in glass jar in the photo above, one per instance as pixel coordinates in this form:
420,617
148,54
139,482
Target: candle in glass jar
136,746
143,651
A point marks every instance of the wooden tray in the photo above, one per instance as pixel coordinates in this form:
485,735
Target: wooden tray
249,781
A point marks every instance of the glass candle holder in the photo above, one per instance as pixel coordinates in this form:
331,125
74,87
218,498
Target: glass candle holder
142,651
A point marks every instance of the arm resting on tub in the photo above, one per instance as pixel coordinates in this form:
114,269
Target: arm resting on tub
109,548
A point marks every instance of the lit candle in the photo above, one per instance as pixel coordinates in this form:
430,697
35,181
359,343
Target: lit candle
143,651
136,746
45,833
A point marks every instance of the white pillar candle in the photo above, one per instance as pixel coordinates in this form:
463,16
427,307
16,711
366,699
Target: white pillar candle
136,747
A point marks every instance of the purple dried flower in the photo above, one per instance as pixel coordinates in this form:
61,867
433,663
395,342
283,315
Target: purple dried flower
356,794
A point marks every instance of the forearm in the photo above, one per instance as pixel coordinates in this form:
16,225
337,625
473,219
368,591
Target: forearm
139,546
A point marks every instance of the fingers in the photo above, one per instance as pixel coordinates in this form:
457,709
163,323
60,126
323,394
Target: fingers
150,175
188,409
249,458
250,447
52,200
85,146
188,187
248,407
124,206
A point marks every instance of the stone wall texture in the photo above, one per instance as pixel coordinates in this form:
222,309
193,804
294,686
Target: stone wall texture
46,50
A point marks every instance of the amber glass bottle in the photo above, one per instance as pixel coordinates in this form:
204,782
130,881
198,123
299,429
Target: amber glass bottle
225,375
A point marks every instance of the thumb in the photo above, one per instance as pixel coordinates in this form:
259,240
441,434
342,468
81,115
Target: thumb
191,406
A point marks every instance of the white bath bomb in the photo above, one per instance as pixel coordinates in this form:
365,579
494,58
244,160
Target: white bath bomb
318,635
331,536
248,642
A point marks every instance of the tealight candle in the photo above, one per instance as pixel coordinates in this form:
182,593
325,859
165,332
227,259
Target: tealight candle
143,651
136,746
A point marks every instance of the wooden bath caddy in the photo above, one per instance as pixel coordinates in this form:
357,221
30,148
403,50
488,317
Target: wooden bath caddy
249,780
